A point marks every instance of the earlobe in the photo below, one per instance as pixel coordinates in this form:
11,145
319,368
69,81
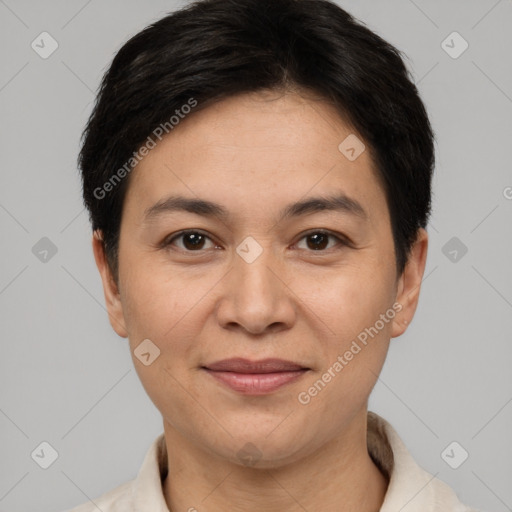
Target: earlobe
110,288
409,284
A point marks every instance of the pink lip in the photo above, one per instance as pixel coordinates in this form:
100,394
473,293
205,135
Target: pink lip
255,377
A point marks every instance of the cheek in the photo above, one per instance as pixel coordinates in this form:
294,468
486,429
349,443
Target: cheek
356,338
157,309
347,300
167,307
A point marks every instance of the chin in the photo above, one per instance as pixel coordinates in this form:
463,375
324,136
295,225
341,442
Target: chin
258,449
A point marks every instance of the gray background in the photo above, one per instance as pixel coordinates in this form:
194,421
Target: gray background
65,376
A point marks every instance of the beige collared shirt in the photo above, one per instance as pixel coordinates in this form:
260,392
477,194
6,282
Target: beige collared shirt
410,489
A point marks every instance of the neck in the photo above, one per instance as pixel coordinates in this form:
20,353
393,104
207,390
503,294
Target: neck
340,476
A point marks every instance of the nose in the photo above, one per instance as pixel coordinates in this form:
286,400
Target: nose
255,297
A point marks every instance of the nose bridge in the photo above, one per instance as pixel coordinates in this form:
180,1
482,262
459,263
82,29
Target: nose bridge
255,297
254,279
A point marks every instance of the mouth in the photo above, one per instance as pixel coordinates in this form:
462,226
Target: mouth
255,377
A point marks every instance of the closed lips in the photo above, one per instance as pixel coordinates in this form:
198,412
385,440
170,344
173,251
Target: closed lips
242,365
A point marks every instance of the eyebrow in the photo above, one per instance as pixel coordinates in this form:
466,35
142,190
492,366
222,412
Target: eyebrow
339,203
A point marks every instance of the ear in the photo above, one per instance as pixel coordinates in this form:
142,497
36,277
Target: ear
110,289
409,284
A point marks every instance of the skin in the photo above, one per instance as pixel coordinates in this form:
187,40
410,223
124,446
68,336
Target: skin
254,154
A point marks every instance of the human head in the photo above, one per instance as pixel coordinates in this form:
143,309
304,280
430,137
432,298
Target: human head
256,142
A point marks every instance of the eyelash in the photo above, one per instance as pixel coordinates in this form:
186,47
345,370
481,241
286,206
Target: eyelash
342,241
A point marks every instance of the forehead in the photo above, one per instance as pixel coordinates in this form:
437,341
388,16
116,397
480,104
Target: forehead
260,149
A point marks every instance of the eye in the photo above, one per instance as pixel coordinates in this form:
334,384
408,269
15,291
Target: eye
196,241
319,240
191,241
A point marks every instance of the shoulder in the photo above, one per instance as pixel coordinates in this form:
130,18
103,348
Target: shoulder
410,487
118,499
143,492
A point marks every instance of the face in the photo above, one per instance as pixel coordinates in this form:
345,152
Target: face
279,248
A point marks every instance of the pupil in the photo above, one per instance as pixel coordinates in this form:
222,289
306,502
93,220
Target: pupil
318,237
193,240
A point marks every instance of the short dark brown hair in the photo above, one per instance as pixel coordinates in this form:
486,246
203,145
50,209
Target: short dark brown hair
213,49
